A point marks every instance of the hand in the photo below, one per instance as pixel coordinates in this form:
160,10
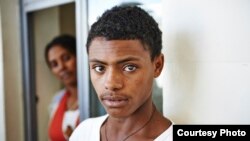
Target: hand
68,131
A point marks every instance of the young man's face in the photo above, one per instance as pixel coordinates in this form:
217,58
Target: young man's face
122,74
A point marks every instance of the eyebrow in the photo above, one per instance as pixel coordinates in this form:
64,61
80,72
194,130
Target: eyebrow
127,59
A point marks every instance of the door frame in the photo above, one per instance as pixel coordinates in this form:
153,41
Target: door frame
28,68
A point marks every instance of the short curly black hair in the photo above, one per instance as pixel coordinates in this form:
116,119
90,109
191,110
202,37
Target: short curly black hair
66,41
128,23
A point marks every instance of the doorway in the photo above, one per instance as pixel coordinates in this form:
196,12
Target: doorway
41,21
47,24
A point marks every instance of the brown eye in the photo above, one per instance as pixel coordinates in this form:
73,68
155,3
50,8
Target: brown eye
53,64
99,69
66,57
130,68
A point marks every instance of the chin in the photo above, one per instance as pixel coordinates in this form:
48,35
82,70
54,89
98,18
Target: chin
69,82
117,113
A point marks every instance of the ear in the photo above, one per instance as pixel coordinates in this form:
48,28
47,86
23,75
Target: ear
158,65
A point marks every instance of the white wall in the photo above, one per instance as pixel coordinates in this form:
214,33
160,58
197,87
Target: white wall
207,53
2,103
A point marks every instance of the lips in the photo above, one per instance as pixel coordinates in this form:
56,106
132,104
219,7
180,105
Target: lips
64,75
116,101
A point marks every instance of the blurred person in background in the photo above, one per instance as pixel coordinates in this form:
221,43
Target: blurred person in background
60,55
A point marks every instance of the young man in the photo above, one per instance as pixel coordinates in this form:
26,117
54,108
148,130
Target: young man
124,48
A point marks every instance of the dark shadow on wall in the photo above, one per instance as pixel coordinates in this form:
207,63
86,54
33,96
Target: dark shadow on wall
157,96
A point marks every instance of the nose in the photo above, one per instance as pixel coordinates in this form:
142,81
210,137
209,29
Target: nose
113,80
61,66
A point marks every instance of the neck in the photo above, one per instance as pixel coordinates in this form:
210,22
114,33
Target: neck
136,122
72,101
72,89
